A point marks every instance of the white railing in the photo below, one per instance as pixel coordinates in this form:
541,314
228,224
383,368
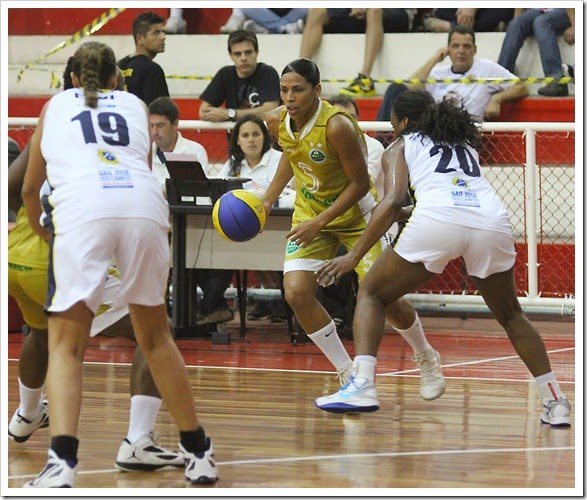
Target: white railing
532,302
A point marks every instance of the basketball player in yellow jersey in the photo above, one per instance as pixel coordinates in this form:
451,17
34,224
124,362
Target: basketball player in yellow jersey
325,150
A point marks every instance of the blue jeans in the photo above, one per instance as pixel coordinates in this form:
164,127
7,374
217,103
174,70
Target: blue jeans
545,27
270,20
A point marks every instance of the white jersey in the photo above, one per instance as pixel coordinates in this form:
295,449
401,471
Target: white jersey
261,174
474,96
183,146
97,161
449,185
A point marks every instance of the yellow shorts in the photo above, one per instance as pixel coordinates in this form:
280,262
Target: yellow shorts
28,286
324,247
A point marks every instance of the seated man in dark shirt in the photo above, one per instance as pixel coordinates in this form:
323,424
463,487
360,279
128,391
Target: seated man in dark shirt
142,76
248,87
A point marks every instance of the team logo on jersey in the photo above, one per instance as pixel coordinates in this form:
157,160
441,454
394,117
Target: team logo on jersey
317,156
107,157
291,248
462,183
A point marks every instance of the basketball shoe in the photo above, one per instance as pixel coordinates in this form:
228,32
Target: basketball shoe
255,27
362,86
557,413
200,468
344,373
235,22
351,398
58,473
20,429
432,382
146,455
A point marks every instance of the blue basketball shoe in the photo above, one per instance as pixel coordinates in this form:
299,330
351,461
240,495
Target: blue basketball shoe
354,397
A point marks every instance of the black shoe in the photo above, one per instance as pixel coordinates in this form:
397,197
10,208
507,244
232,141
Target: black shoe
554,89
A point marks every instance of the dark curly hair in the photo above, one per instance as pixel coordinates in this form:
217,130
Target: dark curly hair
234,150
448,122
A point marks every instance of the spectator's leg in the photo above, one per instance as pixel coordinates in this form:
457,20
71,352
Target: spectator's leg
384,112
518,30
313,31
266,18
490,19
373,39
547,28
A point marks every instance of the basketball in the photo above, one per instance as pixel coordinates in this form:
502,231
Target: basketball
238,215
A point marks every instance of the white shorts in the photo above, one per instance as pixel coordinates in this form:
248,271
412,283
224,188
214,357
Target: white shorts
436,243
80,259
108,313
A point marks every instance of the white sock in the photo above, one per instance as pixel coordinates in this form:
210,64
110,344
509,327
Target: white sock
30,401
548,387
329,342
364,368
415,336
143,413
176,13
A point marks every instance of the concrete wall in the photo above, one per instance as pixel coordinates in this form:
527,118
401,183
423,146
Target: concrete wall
339,57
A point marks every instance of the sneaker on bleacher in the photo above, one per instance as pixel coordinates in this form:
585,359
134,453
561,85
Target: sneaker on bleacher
175,26
255,27
362,86
234,22
554,89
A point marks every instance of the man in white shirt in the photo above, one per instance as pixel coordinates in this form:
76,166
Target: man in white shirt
482,100
163,125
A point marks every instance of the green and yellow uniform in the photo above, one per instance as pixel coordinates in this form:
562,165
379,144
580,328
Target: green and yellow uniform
320,179
28,259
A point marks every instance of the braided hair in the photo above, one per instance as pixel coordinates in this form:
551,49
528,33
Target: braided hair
94,64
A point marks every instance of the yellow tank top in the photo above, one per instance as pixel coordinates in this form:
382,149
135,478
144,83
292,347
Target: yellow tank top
25,248
318,173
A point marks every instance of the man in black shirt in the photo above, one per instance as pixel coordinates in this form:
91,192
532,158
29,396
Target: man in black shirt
142,76
247,87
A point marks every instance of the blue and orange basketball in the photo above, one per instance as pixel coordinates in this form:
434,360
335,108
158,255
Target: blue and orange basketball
238,215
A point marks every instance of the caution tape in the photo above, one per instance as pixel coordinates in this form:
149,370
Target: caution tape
87,30
465,80
470,80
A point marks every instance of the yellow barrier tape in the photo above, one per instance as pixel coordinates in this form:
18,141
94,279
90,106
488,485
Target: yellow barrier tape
87,30
470,80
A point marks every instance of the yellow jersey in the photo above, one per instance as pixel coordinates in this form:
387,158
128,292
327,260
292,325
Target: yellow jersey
318,173
25,248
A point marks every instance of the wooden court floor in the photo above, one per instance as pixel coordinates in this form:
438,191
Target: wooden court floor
255,398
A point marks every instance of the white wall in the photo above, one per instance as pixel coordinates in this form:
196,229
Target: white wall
339,57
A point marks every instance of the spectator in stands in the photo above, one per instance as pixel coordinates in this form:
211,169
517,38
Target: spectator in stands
234,22
175,22
546,25
265,21
443,20
13,152
373,22
251,156
245,87
166,138
482,100
142,76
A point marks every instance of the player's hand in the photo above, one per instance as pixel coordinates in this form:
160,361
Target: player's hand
304,232
333,270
